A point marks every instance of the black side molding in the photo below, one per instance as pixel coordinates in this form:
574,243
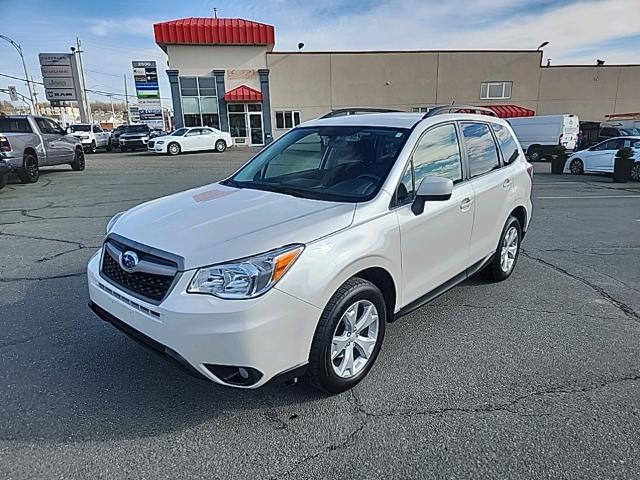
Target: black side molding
445,287
165,352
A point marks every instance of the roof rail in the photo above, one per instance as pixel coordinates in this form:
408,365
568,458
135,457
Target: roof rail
341,112
459,109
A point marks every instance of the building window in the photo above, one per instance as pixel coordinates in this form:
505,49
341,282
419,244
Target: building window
199,101
287,119
495,90
420,109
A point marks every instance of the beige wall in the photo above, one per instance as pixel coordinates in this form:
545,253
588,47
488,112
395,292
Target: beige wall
590,92
203,59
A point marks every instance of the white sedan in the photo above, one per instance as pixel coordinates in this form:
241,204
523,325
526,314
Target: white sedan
601,157
191,139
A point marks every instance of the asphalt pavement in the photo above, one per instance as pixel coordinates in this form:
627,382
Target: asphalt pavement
536,377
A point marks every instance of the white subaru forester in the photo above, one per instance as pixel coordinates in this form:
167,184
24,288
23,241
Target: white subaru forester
294,265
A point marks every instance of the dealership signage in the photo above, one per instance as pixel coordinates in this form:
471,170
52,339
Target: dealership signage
59,75
145,77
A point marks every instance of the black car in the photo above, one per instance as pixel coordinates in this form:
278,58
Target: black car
616,131
4,173
134,137
115,136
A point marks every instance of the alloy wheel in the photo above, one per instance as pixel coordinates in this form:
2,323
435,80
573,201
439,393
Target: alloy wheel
635,172
576,166
509,249
354,339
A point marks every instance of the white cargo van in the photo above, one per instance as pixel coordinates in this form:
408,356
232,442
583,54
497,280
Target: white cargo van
540,135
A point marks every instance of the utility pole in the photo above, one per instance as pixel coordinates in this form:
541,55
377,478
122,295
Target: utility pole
126,99
85,98
34,104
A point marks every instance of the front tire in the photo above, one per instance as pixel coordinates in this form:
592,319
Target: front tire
109,148
4,179
535,154
173,149
93,148
348,337
221,146
78,163
576,167
635,172
124,149
506,255
30,172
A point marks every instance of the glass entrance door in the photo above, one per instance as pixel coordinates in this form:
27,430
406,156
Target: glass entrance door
255,127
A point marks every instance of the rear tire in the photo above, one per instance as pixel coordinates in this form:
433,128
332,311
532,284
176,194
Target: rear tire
108,149
221,146
332,342
30,171
506,255
535,154
635,172
576,166
173,148
78,163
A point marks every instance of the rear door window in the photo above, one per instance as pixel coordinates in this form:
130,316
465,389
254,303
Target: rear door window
481,149
508,145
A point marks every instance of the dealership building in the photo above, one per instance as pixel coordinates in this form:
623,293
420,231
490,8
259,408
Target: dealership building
225,73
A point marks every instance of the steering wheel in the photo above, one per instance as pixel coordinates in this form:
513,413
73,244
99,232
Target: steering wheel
376,179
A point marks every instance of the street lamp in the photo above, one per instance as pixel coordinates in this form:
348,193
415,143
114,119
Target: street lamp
26,74
542,45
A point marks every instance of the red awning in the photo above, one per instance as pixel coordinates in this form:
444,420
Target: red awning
213,31
510,111
243,94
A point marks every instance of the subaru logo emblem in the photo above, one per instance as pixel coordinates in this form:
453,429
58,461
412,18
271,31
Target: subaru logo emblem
129,260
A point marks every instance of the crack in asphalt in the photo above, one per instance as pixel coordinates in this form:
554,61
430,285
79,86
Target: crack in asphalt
41,279
506,407
623,307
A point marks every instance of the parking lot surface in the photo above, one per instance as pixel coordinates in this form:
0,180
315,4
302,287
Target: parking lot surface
535,377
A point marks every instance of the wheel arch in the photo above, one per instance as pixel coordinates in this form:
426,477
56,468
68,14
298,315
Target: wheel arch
382,279
520,213
30,151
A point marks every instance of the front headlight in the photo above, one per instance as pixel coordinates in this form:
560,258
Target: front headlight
247,278
113,221
159,142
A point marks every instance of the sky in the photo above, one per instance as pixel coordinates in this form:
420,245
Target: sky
115,32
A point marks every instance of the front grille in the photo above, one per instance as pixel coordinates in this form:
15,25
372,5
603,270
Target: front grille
148,285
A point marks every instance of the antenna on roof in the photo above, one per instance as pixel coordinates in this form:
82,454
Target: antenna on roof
215,12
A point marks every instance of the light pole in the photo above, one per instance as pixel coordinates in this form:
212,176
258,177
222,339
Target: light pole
34,105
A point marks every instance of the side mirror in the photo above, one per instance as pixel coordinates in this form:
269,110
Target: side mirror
431,189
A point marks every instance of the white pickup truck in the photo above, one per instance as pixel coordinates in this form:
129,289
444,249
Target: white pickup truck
29,142
92,136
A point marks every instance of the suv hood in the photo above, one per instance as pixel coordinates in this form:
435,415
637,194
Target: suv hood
216,223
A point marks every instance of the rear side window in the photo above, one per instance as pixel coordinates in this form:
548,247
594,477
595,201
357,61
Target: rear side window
15,125
481,149
508,145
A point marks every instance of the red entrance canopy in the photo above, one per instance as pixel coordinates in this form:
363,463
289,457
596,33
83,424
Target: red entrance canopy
243,94
510,111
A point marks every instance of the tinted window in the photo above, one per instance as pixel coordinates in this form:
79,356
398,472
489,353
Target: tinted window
97,129
608,132
179,132
334,163
438,154
609,145
136,129
44,126
481,149
80,128
54,126
508,145
14,125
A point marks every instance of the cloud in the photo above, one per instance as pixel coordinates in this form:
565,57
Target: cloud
128,26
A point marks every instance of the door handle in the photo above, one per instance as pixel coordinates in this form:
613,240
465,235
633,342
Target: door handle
506,183
466,204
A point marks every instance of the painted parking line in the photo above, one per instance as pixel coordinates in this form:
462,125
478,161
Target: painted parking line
580,197
535,184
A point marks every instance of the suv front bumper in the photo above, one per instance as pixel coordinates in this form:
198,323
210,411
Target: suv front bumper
270,334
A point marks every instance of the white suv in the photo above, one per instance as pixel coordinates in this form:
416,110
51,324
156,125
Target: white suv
296,263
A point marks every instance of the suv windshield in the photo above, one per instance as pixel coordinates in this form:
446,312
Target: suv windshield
347,164
135,129
80,128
